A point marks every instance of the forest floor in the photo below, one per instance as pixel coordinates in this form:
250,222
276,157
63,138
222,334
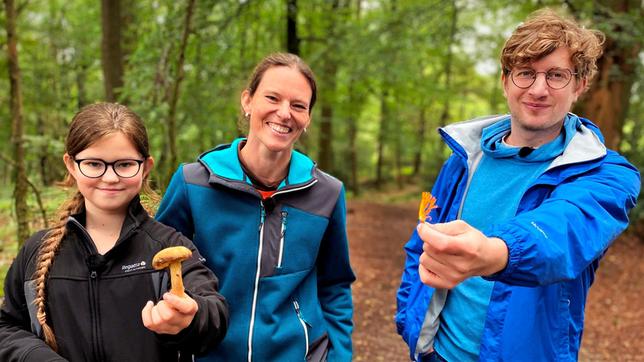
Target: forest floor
378,229
614,327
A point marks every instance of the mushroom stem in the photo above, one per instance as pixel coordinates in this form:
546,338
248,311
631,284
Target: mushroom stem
172,257
175,280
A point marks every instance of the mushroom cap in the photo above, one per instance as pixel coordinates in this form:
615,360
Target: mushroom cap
170,255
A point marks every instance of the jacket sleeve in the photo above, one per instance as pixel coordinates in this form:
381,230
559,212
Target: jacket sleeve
334,283
17,342
174,209
413,249
446,189
210,324
571,228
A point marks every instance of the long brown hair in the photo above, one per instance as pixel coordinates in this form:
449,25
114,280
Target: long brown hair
88,125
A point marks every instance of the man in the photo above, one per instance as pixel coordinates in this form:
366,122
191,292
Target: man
528,204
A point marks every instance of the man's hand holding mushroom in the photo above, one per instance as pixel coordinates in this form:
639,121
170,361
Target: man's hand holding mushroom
176,310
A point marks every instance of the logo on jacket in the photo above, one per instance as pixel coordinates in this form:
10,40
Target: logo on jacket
132,267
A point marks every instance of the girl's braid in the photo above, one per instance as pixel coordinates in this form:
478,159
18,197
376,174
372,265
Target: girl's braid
50,245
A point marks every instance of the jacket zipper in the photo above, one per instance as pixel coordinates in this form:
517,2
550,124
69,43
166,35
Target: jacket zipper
296,188
93,281
93,291
259,263
296,305
256,288
282,233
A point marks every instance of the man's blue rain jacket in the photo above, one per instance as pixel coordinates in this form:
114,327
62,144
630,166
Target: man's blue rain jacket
565,222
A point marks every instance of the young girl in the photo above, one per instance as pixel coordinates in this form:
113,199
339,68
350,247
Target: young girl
272,227
83,290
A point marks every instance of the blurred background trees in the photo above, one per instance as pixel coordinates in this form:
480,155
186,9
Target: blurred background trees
389,72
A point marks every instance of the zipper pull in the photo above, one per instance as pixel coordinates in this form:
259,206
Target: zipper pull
284,213
297,307
93,274
262,216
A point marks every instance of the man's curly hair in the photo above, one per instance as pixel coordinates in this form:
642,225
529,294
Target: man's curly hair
545,31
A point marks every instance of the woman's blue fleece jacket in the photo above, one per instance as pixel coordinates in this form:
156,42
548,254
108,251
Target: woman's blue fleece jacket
283,264
565,222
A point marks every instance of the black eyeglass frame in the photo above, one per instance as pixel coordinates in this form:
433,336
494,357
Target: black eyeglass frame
107,164
545,74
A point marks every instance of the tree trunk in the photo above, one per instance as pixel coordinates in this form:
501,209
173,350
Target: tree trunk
325,156
43,154
292,39
174,95
352,134
448,65
352,123
81,75
330,69
11,163
111,53
420,141
20,187
606,102
398,158
382,135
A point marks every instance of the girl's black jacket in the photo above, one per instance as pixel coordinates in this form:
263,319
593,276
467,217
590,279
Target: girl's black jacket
94,301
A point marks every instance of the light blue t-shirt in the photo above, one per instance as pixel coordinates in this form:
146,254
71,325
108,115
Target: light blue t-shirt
501,178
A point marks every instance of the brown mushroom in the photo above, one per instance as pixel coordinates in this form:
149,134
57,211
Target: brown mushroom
172,257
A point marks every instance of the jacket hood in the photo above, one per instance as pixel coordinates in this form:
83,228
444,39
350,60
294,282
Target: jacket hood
464,138
222,162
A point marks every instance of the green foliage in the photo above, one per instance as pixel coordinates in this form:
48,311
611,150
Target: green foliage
52,198
400,50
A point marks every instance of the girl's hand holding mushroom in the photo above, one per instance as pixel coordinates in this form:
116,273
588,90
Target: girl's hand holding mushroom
171,315
176,310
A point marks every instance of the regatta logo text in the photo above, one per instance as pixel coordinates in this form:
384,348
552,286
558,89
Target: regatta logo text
132,267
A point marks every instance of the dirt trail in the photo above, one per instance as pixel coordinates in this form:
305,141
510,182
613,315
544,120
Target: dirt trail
614,313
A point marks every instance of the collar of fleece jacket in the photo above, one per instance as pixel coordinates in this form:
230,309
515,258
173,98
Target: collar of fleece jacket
223,161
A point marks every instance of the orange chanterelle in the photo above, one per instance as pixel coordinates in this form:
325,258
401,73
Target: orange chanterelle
427,204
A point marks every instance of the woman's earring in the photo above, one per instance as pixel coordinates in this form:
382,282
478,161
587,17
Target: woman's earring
304,129
247,115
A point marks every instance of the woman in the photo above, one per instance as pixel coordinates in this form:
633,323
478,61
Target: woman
271,226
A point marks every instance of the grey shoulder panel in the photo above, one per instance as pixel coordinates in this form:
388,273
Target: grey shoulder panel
319,199
30,295
196,174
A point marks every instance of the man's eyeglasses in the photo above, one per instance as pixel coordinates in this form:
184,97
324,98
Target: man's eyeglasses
555,78
95,167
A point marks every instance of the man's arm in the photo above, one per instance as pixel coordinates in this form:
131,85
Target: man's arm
572,228
553,242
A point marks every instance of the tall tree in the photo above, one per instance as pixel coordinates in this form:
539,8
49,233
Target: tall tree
607,100
420,140
352,134
330,69
112,54
352,117
20,179
292,39
385,114
448,64
173,95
